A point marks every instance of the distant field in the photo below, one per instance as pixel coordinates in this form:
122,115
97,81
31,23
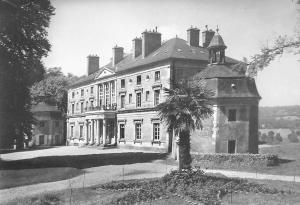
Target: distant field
289,153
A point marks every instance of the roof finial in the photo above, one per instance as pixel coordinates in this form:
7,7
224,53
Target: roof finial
206,26
217,29
155,28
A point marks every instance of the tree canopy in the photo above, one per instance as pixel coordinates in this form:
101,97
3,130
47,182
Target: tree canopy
53,88
23,43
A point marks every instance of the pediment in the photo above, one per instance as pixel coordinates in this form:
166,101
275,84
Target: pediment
104,72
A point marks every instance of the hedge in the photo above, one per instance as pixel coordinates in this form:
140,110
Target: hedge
235,161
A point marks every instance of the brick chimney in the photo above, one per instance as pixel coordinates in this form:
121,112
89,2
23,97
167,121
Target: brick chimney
136,47
93,64
207,36
151,40
193,36
118,54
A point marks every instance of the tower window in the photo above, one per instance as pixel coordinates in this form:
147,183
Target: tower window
232,115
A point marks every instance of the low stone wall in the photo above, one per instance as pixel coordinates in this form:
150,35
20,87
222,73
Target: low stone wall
234,161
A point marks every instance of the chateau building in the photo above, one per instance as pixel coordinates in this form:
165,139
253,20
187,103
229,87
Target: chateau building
48,130
116,104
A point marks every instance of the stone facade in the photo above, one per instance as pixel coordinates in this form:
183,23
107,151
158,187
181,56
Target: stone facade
116,104
48,129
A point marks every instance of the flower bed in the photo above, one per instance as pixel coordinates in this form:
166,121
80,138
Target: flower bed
235,161
192,184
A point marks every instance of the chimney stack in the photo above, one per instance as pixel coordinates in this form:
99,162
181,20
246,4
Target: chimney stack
193,36
136,47
207,36
93,64
118,53
151,40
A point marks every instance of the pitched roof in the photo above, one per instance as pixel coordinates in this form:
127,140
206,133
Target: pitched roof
217,41
218,71
44,107
173,48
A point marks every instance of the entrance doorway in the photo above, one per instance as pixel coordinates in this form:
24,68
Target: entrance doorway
231,146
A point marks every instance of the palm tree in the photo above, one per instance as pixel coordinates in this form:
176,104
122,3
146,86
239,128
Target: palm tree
186,106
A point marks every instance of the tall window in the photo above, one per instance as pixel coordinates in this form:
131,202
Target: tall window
101,95
122,83
156,97
42,123
122,101
82,92
156,132
138,131
232,115
56,123
81,107
81,131
147,95
138,99
92,103
139,80
107,95
92,90
157,75
72,131
73,94
73,108
130,98
113,94
41,139
122,131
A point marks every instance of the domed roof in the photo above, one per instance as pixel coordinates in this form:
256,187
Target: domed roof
217,42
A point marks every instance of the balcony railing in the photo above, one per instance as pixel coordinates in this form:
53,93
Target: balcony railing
104,107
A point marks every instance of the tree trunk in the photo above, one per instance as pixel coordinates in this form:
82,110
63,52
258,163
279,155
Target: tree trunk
185,158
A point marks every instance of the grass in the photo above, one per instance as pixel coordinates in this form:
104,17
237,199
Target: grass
14,178
94,195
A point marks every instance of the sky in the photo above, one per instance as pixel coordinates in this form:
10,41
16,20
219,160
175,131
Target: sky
80,28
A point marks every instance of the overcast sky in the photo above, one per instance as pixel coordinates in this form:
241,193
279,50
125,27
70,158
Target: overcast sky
80,28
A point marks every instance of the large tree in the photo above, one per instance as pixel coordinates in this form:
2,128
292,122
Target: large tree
23,43
53,88
186,106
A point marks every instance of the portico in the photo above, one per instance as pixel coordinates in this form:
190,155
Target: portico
100,130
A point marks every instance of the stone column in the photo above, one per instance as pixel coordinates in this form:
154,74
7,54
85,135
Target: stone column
87,132
104,132
98,132
92,132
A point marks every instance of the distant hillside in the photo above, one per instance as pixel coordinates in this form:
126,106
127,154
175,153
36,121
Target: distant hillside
280,117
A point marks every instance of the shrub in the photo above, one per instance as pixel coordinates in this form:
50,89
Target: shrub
293,137
235,161
278,138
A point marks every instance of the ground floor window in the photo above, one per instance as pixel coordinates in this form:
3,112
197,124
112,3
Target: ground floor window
81,131
57,141
41,139
72,130
138,131
122,131
156,132
231,146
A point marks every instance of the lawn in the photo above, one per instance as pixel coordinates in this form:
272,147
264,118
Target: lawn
175,189
14,178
